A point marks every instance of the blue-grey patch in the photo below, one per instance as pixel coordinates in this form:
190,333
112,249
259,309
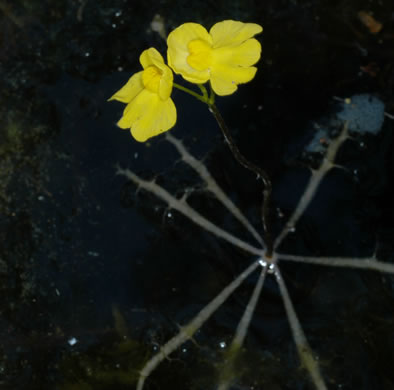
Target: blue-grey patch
365,114
316,145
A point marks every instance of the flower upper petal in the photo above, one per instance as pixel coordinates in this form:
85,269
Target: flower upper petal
151,57
130,90
148,115
231,32
178,51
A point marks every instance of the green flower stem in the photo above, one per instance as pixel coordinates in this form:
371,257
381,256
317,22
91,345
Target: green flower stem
204,92
265,207
203,98
212,96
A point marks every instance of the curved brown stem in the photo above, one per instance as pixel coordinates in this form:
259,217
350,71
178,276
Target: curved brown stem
265,207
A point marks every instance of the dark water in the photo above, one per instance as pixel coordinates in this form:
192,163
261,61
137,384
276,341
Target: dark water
95,276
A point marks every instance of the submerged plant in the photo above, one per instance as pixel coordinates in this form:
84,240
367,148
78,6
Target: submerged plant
224,58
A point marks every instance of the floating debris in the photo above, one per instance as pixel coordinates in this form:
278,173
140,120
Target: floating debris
370,22
157,25
72,341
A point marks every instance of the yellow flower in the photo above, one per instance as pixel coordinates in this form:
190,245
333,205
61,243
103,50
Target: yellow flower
150,110
224,56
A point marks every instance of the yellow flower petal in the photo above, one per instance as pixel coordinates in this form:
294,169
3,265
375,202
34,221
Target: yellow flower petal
151,77
231,32
166,83
245,54
178,51
130,90
148,115
151,57
200,57
224,79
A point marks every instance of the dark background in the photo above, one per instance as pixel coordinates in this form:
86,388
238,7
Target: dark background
83,256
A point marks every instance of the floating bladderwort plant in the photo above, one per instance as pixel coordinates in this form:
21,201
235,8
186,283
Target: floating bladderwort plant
223,58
